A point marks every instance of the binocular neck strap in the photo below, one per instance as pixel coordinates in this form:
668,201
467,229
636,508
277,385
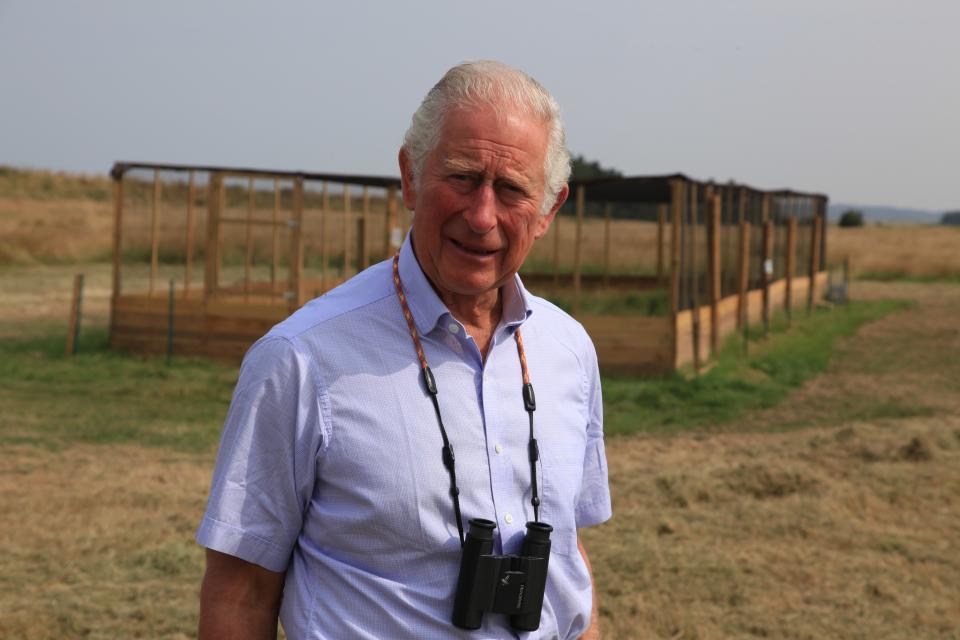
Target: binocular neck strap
529,403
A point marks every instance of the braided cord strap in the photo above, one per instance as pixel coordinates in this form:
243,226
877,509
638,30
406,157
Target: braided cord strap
449,461
530,404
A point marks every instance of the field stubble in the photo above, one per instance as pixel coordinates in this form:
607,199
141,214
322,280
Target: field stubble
841,523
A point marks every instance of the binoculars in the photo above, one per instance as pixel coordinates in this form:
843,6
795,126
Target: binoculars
509,584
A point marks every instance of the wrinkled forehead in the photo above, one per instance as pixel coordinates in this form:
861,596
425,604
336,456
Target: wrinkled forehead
475,134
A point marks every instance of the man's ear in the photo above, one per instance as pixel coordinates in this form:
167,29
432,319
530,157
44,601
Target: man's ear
409,190
543,223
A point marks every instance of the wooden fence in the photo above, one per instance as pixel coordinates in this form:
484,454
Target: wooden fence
244,248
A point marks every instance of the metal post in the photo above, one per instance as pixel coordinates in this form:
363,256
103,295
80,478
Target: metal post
170,304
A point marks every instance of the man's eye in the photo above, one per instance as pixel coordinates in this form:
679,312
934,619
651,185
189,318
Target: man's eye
512,191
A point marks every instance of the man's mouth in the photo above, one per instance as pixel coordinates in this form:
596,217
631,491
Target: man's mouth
477,251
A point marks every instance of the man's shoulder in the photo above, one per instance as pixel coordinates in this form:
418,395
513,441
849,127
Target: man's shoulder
552,318
356,297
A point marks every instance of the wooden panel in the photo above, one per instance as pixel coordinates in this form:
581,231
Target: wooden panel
590,281
778,290
271,312
821,285
801,287
755,306
223,351
727,311
630,344
193,325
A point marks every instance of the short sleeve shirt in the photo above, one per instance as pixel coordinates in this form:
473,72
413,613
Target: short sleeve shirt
330,463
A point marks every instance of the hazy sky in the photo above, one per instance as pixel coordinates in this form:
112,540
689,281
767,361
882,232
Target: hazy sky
859,99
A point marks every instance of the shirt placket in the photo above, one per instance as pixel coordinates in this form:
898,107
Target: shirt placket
494,393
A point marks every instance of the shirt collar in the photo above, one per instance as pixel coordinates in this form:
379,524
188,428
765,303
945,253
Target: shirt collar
427,307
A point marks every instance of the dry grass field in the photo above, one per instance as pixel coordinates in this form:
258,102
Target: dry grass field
834,514
897,251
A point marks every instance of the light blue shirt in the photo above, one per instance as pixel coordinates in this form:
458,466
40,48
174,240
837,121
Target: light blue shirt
330,461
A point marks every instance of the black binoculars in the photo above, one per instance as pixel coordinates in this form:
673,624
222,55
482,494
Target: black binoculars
510,584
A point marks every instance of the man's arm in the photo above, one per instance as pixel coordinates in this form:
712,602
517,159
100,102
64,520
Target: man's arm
593,631
238,599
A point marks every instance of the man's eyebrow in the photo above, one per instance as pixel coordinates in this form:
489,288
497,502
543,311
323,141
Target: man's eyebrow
461,165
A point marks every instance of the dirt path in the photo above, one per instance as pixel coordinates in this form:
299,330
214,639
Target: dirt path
844,525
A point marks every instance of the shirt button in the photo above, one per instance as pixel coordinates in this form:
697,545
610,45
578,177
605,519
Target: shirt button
508,518
453,327
498,448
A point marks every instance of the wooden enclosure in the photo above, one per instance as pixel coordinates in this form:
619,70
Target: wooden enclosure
207,259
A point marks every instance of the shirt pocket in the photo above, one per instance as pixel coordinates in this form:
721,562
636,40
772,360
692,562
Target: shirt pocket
561,484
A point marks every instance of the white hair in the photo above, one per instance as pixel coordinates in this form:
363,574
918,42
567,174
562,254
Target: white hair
488,83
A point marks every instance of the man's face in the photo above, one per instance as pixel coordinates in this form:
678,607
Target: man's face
477,208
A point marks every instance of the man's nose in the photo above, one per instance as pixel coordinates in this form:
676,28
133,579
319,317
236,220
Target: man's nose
481,215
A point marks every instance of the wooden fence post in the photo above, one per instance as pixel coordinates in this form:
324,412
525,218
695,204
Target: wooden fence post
73,326
347,222
188,266
715,207
676,207
154,230
275,239
363,254
791,263
607,213
814,261
695,275
743,281
767,270
556,250
577,249
661,222
117,234
324,235
211,278
248,237
296,247
361,242
391,221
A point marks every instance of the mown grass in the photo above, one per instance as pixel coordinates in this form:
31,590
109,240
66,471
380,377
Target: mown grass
100,396
774,365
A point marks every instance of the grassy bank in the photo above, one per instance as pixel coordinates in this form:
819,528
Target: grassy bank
736,384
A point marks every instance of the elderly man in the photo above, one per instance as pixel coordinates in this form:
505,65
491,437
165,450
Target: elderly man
337,502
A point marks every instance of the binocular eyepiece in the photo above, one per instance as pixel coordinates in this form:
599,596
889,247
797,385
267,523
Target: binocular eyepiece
509,584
